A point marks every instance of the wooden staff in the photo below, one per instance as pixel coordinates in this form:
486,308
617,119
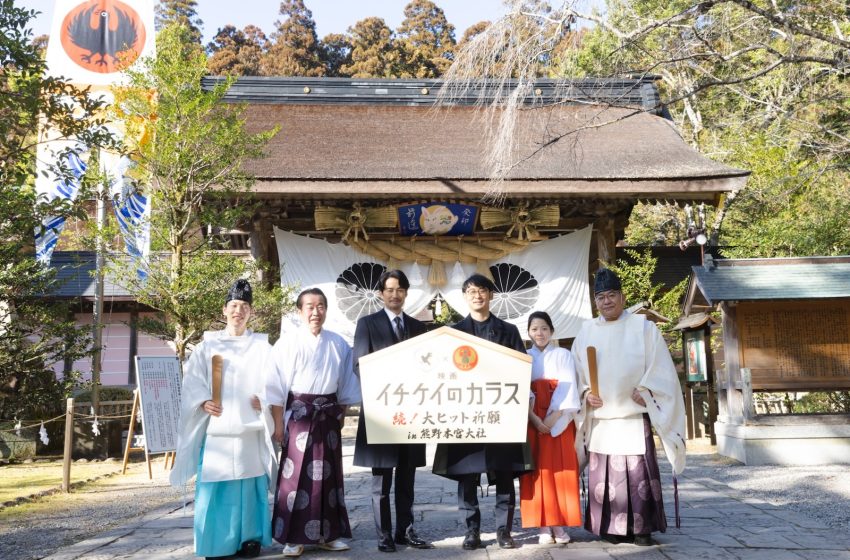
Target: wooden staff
217,371
591,369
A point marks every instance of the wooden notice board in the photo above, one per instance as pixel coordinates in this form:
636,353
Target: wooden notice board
159,388
445,386
799,345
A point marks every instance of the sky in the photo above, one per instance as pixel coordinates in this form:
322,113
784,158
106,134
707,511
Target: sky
331,16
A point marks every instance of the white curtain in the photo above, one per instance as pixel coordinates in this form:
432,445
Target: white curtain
560,268
550,275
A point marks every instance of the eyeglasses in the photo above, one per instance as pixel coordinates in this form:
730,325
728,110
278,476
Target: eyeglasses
610,295
472,292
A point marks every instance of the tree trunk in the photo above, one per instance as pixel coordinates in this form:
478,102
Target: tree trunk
176,271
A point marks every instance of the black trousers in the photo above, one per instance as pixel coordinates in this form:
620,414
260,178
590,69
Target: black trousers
467,500
382,479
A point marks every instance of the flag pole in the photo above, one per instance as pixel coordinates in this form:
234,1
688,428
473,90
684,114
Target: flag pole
97,312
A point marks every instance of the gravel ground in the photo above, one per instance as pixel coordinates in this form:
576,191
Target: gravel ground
40,528
37,529
819,492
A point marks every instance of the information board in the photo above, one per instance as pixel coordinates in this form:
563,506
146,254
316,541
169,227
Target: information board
159,389
445,386
796,345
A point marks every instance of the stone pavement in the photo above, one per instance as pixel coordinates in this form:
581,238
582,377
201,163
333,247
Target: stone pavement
716,524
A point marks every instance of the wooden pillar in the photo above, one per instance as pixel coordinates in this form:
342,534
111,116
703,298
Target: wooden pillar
262,247
747,407
69,445
134,345
710,395
730,404
606,243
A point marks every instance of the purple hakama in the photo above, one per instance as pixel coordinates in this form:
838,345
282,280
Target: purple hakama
624,492
310,502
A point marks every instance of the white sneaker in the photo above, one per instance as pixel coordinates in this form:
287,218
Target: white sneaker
334,546
545,536
561,535
293,550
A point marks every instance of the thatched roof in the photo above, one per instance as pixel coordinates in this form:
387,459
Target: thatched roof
333,136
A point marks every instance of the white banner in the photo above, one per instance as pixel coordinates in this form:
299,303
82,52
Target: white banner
91,40
551,276
456,388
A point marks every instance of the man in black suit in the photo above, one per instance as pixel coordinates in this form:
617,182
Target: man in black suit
503,462
375,332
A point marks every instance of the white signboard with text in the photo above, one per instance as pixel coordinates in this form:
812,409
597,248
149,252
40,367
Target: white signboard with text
445,386
158,378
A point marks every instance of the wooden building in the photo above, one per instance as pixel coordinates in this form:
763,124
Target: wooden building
786,328
379,143
122,339
359,145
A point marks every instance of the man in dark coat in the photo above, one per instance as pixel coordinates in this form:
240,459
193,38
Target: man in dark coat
503,462
376,332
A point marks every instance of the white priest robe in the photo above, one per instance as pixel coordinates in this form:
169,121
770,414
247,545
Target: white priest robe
630,353
238,443
313,364
557,363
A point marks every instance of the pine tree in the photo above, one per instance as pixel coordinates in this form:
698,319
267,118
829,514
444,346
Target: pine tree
472,32
295,48
426,40
235,52
336,54
374,53
183,12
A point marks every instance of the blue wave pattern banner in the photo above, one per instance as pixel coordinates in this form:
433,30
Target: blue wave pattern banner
132,209
47,235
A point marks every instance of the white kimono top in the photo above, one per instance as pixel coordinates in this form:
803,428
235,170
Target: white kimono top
316,365
557,363
630,353
238,443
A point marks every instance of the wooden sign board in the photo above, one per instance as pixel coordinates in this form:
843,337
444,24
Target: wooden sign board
800,345
159,389
445,386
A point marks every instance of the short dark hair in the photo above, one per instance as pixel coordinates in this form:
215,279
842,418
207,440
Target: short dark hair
479,281
403,282
313,292
543,316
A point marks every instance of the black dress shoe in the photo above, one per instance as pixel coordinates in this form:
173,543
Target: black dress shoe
644,540
411,539
472,540
250,549
503,537
386,544
613,539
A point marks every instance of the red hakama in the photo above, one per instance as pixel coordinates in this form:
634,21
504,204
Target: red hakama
549,495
